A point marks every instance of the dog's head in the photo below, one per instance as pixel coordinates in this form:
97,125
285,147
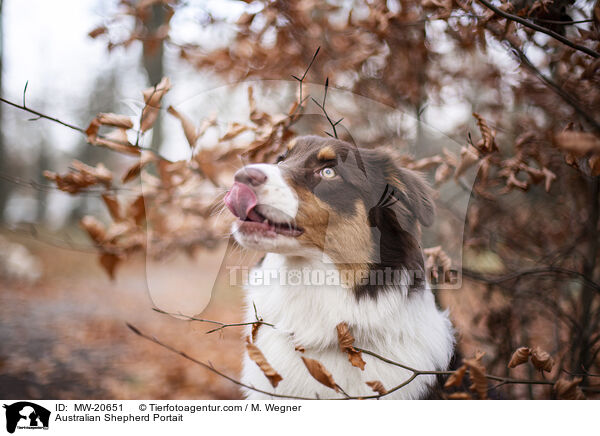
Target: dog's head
356,206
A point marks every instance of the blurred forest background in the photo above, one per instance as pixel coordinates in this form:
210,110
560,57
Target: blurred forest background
509,91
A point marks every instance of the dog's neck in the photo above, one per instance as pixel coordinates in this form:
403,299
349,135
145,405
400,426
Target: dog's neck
296,302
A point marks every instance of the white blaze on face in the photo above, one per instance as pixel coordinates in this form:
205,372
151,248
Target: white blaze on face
276,199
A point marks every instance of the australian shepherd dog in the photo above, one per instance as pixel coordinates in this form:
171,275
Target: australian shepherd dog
341,229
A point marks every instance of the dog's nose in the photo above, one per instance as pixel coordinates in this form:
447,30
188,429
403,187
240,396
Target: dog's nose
250,176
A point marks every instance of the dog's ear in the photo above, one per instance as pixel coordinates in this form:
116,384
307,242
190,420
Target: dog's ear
413,192
403,193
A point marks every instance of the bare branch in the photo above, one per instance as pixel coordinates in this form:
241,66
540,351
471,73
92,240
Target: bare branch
301,79
41,115
539,28
415,372
572,101
534,271
322,106
221,325
209,366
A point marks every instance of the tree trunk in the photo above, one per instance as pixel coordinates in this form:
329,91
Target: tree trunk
153,61
4,186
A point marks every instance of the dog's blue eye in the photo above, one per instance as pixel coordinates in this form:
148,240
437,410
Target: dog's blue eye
328,173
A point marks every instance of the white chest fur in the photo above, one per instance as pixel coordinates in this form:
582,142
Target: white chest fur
407,328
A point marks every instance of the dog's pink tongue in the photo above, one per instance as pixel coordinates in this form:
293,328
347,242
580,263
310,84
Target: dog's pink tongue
240,200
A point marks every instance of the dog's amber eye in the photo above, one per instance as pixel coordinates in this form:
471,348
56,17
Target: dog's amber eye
327,173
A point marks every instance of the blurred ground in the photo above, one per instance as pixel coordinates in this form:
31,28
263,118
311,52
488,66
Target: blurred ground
66,338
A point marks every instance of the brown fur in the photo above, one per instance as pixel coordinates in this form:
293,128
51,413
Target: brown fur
326,153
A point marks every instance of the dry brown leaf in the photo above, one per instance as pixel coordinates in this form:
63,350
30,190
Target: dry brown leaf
488,143
568,389
468,158
377,386
119,135
541,360
346,342
113,206
121,121
245,19
594,163
578,143
189,128
456,378
442,173
345,338
118,230
549,177
137,210
459,396
293,108
152,99
256,116
92,130
235,129
355,358
95,228
146,157
97,32
99,172
109,262
117,141
513,182
319,373
205,160
255,328
117,146
477,376
536,175
520,356
571,159
81,177
437,260
257,356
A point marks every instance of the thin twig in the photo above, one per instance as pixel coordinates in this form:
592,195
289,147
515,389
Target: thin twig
539,28
415,373
533,271
566,23
582,374
73,127
418,372
322,106
41,115
209,366
301,80
572,101
83,191
146,105
24,93
221,325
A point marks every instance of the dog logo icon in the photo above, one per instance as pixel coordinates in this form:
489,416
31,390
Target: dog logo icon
26,415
